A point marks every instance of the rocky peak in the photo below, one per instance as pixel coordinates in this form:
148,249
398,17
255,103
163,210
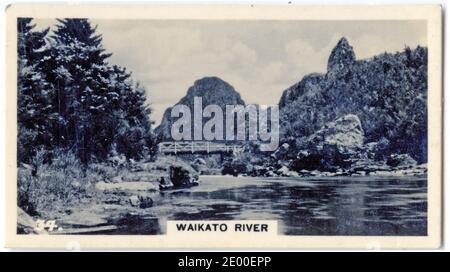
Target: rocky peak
341,55
212,90
208,84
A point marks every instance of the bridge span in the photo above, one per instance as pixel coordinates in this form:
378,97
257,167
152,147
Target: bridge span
198,147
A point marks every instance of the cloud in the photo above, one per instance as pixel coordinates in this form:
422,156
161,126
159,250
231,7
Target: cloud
259,58
302,54
369,44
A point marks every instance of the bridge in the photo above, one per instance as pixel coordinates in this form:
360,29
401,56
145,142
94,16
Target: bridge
198,146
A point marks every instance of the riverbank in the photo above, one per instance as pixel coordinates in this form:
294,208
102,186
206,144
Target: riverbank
396,205
360,170
67,192
104,193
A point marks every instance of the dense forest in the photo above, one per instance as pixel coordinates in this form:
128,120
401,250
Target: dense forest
71,99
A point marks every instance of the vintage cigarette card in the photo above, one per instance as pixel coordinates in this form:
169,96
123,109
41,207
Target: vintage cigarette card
239,127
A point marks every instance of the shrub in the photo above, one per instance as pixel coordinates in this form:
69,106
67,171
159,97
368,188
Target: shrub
102,171
46,185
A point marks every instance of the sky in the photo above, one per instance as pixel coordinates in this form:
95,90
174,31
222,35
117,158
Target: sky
260,59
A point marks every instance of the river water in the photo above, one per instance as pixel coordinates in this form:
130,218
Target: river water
302,206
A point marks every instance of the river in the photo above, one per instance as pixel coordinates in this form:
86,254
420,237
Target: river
302,206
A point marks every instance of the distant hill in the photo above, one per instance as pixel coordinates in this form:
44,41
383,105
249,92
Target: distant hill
212,90
387,92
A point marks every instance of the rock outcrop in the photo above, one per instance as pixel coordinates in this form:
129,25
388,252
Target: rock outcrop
401,160
181,177
388,93
345,133
25,223
341,56
309,83
235,167
334,145
125,186
141,201
282,152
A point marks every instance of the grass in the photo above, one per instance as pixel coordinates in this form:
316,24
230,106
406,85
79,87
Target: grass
47,187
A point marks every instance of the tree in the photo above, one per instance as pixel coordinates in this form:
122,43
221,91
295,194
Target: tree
34,110
134,138
81,79
71,98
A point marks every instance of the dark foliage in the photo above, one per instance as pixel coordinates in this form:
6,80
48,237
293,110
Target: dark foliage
70,97
387,92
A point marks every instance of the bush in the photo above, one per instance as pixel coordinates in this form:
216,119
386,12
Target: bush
240,163
102,171
46,185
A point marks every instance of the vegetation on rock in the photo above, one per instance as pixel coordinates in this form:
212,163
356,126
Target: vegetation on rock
388,93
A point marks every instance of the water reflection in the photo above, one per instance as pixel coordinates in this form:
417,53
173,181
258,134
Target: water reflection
327,206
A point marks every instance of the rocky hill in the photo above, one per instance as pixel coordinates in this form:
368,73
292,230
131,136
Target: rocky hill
212,90
387,93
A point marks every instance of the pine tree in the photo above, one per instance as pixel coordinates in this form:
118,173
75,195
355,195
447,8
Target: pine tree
81,79
133,137
70,97
35,113
31,44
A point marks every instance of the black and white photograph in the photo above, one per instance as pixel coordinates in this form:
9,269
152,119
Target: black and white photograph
125,125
